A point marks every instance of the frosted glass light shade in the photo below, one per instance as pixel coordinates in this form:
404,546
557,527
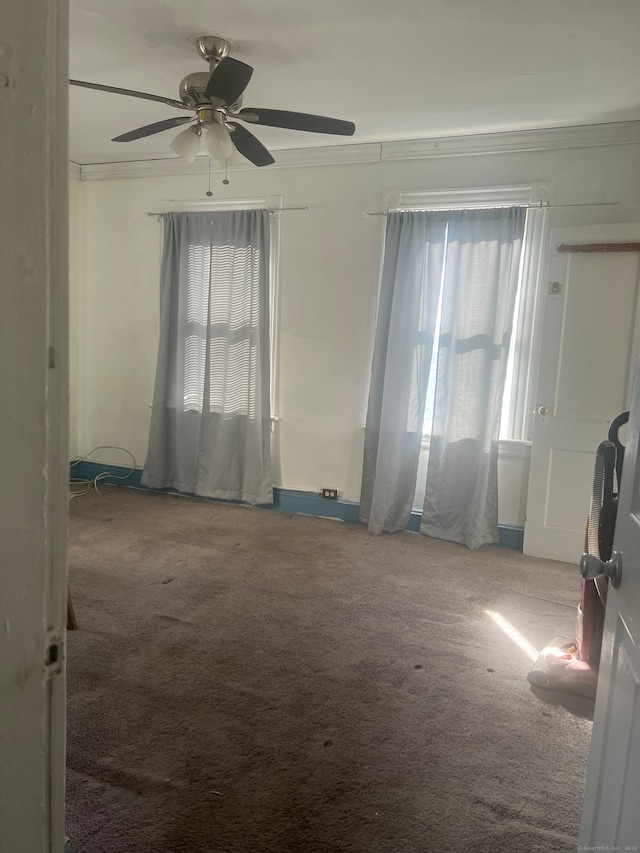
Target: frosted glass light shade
218,143
187,143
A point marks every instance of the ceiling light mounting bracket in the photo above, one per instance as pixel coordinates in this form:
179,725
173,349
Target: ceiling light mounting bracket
212,49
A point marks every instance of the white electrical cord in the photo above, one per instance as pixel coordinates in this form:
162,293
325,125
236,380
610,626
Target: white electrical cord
83,487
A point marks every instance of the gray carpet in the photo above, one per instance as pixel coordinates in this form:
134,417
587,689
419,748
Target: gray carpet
248,681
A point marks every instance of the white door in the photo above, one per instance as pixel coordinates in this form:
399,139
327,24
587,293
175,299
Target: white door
33,423
611,815
589,339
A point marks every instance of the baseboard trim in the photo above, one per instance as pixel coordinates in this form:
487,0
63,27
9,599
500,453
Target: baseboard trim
284,500
511,535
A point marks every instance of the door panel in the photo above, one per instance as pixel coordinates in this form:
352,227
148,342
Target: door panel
599,290
590,328
611,817
567,466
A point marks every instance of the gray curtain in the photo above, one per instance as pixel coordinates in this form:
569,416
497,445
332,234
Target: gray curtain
210,423
407,309
478,297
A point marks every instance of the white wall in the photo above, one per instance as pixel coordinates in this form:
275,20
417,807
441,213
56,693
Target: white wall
329,265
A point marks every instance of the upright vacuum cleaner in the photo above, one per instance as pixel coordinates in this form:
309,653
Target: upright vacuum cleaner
573,665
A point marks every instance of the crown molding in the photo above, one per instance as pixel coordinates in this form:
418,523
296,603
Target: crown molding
363,152
546,139
505,142
329,155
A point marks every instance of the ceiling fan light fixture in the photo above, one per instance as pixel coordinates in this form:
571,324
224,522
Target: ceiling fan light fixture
216,99
187,143
218,143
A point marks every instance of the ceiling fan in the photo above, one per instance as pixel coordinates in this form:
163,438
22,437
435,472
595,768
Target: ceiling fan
216,99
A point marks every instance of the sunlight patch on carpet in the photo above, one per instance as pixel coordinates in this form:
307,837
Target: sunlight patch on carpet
513,634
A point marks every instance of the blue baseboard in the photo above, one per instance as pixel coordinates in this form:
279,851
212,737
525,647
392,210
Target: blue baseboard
90,470
310,503
285,500
511,535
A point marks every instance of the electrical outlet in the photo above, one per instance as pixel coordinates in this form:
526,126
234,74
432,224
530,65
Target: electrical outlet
330,494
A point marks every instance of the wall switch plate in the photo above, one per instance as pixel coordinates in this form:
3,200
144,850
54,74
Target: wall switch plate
330,494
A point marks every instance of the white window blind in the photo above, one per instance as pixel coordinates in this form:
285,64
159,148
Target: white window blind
222,298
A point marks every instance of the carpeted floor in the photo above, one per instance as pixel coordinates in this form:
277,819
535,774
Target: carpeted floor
248,681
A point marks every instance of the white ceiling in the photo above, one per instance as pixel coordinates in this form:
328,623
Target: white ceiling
405,69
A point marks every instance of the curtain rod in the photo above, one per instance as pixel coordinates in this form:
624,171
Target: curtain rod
268,209
539,206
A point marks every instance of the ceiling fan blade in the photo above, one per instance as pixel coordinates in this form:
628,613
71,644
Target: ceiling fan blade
299,121
228,80
130,93
150,129
250,146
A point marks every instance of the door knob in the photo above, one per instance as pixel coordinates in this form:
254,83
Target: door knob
592,566
543,410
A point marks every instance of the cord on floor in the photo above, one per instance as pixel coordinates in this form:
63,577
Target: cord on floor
79,487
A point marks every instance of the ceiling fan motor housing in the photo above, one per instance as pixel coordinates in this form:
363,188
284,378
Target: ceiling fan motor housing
191,91
192,94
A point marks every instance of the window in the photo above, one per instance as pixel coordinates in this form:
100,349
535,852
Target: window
234,312
521,367
223,295
211,405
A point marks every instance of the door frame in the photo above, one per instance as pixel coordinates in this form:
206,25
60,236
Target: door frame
34,423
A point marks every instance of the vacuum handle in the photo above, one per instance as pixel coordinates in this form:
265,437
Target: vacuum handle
592,566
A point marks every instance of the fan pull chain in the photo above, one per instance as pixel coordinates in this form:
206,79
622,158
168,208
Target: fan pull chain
226,167
209,193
